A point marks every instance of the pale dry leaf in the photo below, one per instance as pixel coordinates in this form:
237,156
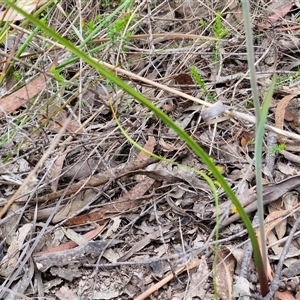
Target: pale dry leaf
290,200
64,293
280,112
111,255
23,95
238,254
141,244
75,237
166,146
56,170
24,282
82,169
198,280
286,169
113,228
10,260
214,111
107,294
78,202
280,228
65,273
241,287
272,240
182,122
290,256
224,273
27,5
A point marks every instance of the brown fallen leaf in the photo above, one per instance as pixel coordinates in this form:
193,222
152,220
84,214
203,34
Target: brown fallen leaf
280,13
185,81
272,220
69,245
285,295
23,95
280,112
224,273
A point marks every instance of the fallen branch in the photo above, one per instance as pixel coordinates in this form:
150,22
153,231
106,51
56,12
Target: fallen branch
98,179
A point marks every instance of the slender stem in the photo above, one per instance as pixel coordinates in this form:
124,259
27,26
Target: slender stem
258,134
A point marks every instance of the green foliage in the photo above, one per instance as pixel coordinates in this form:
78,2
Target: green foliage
17,75
277,148
56,73
250,142
116,30
91,26
202,22
286,80
197,77
220,32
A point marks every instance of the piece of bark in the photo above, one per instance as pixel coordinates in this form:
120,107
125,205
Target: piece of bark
62,258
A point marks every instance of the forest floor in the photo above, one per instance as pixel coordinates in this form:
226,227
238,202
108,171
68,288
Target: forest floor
84,213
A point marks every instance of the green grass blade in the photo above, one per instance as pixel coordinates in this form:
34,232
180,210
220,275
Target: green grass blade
258,163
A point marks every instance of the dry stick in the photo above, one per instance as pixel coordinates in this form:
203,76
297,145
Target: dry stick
249,118
290,157
169,36
31,175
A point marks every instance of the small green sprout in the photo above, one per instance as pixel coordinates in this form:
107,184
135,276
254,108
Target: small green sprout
277,148
250,142
57,75
202,22
220,32
197,77
17,75
115,30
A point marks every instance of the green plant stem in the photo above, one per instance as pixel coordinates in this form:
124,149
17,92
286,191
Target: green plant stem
259,134
250,57
169,122
258,170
